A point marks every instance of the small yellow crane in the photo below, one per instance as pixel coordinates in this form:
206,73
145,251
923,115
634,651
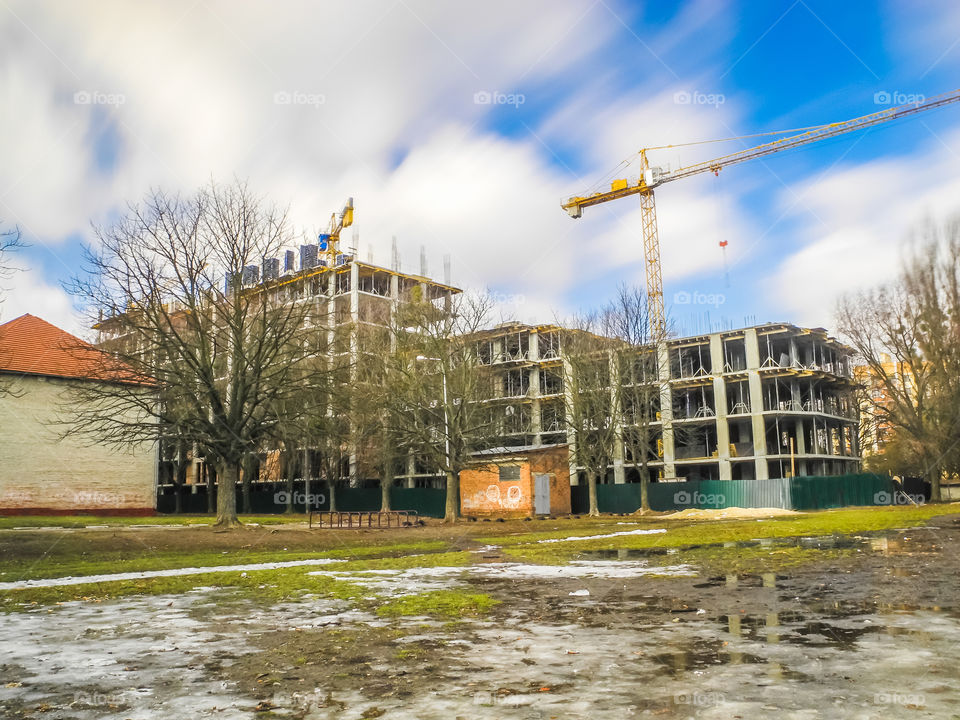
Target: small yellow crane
329,241
651,177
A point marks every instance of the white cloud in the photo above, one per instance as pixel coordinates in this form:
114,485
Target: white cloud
200,87
26,291
382,82
856,223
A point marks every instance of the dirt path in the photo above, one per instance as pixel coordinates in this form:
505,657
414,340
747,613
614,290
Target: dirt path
872,632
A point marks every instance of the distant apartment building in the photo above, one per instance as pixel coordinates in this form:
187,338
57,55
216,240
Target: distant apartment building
759,402
352,304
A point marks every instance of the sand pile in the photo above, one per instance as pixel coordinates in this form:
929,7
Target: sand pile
727,513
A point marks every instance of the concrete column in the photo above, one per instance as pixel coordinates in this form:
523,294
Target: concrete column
666,410
752,347
411,469
619,476
534,393
354,353
799,446
720,406
394,301
571,435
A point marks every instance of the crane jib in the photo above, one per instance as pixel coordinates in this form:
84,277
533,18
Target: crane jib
653,177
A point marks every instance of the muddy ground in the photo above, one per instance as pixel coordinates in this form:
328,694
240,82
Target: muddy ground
871,631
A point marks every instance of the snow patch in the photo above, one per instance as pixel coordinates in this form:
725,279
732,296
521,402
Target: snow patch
609,535
174,572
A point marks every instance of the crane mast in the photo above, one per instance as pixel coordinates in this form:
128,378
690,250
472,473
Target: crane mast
651,177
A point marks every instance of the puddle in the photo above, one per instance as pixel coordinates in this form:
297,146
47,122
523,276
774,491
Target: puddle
418,580
838,542
878,638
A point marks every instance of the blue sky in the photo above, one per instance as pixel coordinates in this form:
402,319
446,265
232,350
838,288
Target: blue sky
461,129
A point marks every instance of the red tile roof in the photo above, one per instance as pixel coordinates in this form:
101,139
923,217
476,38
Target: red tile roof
31,346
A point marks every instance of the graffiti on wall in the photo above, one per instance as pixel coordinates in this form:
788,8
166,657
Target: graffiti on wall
493,498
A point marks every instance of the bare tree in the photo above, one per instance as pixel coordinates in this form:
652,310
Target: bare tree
11,240
171,289
906,334
640,386
592,397
436,388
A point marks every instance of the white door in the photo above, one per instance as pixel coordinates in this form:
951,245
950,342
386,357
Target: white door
541,494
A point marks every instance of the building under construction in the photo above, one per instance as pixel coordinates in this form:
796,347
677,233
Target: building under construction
769,401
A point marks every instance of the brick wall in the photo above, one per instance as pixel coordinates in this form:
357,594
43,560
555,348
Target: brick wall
39,473
482,493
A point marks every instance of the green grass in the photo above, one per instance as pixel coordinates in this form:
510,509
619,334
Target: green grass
380,553
438,603
686,533
79,521
266,585
142,559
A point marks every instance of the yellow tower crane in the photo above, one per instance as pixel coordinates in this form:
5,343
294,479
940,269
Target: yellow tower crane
329,241
651,177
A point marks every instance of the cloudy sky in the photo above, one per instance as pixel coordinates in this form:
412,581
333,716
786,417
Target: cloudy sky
461,126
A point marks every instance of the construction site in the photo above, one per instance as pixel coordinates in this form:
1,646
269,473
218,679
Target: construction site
771,401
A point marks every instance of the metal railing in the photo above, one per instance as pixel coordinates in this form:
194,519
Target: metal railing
371,519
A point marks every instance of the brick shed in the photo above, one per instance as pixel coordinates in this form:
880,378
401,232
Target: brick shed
40,472
517,482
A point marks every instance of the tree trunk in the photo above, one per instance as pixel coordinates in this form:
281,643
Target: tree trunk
644,488
452,512
386,481
307,500
245,483
176,480
211,474
288,477
934,477
592,493
332,488
227,496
